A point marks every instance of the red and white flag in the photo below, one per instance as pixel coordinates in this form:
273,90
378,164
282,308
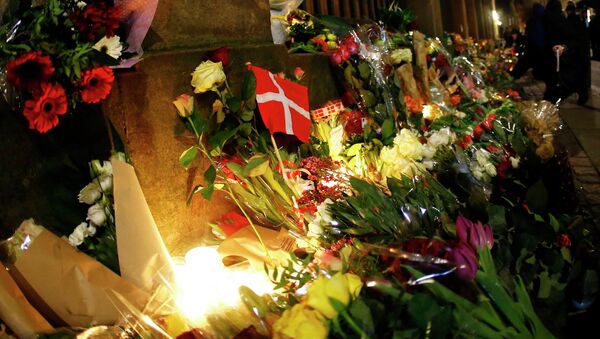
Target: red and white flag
283,104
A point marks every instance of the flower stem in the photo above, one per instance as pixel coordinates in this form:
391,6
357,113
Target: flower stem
229,190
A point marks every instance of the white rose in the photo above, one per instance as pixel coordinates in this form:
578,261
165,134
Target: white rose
81,4
208,76
429,164
409,145
439,138
401,55
429,151
515,162
490,169
76,238
90,193
96,215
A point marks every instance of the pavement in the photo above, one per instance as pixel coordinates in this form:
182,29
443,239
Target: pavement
580,136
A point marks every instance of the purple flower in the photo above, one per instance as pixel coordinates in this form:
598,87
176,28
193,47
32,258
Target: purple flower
465,259
473,234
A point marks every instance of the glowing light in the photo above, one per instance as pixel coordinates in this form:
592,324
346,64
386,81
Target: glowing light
496,18
204,286
428,112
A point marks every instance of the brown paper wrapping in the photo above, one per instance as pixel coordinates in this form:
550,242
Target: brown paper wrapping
407,82
245,244
142,252
434,77
421,73
25,321
67,286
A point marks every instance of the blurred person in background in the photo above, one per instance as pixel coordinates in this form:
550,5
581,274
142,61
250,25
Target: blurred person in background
534,41
559,51
582,66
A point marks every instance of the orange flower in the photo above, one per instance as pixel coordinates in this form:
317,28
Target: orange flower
413,105
42,112
455,100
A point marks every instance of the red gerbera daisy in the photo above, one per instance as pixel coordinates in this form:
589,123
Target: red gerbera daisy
96,84
43,110
28,71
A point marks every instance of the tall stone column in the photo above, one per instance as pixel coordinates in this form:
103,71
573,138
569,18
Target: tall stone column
428,14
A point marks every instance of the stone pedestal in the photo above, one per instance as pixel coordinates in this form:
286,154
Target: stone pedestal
141,108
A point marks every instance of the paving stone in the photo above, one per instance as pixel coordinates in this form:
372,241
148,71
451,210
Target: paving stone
588,179
580,162
580,170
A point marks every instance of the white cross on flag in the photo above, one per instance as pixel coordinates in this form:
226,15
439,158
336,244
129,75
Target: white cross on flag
283,104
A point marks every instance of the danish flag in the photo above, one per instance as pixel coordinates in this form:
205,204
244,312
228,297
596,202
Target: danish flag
283,104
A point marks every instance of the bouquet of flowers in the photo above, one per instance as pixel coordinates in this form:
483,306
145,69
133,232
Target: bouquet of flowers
59,54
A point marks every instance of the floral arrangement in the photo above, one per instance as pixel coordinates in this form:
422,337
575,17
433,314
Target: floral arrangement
423,203
58,54
415,205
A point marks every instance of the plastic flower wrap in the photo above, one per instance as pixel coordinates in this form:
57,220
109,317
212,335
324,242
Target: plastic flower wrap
542,121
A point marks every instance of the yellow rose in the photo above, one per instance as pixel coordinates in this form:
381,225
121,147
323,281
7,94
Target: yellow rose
208,76
354,284
340,287
185,105
300,322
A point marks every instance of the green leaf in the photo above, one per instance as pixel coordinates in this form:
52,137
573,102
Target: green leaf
209,179
197,188
387,132
248,86
497,217
218,139
364,70
554,223
187,157
257,165
237,169
362,314
423,308
247,115
234,104
210,175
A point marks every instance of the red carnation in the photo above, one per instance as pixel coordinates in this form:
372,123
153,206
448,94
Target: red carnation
564,240
42,112
96,84
28,71
455,100
93,18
